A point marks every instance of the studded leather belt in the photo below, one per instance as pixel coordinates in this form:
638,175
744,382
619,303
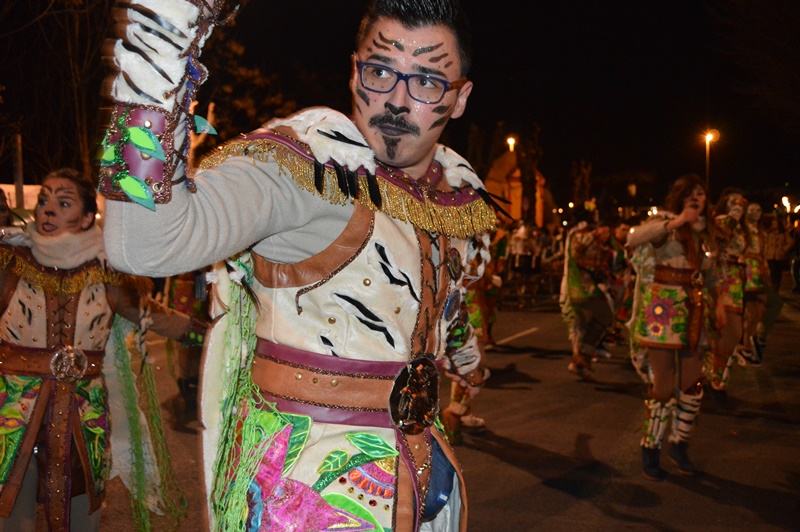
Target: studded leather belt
56,363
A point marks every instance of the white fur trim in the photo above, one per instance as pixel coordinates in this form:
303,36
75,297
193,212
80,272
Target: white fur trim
458,170
171,60
309,123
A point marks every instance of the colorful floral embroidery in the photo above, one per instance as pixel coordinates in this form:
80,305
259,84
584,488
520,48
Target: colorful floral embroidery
665,316
17,398
93,410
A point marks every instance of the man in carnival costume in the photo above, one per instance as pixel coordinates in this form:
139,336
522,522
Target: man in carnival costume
320,383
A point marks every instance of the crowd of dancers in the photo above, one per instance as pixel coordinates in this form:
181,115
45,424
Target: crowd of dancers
691,287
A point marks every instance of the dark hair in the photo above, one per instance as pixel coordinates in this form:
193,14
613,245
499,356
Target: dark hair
722,203
415,14
682,188
86,189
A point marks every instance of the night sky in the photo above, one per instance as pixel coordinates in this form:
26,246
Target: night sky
629,86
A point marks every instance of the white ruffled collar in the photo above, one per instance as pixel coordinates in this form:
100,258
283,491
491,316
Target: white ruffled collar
67,250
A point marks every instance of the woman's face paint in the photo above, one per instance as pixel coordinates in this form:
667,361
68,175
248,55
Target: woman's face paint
60,209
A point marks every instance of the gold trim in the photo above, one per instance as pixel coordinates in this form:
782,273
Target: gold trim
71,281
460,221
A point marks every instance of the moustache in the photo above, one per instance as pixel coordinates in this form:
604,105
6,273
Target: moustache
397,122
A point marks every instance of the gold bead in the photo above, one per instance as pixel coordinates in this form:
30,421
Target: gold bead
334,383
367,282
298,376
315,380
148,124
397,310
331,320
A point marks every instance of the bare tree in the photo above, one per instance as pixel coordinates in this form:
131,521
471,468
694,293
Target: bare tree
51,57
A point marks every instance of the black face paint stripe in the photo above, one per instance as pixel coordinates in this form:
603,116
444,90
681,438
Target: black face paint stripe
363,95
391,146
380,46
426,49
439,123
438,58
396,44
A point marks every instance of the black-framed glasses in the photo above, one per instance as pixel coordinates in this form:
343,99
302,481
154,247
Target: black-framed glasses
422,87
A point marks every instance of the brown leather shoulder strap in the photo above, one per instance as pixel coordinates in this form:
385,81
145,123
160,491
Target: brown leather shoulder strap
320,266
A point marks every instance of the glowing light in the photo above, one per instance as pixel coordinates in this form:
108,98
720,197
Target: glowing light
785,201
511,141
571,205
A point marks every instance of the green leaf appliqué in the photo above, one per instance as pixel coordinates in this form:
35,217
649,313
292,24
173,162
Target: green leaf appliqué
138,191
335,460
146,142
371,445
108,157
201,125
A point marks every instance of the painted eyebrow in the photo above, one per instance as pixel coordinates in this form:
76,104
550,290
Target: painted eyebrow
426,49
420,69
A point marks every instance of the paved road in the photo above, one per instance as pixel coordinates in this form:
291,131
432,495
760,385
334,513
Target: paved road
560,454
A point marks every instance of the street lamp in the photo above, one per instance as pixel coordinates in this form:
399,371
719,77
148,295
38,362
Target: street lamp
710,136
511,141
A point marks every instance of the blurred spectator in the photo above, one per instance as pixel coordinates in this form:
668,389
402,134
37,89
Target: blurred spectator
5,211
778,244
795,256
522,263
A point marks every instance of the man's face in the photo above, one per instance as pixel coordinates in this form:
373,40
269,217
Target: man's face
401,130
621,232
603,233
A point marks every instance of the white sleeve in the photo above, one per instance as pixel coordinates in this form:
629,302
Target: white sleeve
649,231
237,205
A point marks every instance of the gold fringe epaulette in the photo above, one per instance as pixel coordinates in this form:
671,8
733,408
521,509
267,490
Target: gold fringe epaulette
459,221
66,282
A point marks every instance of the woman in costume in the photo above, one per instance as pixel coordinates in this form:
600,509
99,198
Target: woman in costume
755,286
732,240
668,328
585,304
59,384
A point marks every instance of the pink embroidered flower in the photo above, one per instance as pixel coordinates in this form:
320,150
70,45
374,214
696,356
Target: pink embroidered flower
662,310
